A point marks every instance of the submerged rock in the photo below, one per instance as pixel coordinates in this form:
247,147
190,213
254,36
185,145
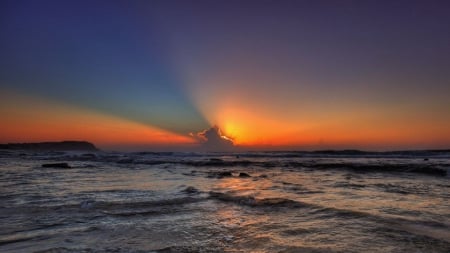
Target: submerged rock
243,174
87,204
224,174
191,189
220,174
56,165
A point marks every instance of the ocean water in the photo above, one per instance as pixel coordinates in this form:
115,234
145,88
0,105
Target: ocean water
200,202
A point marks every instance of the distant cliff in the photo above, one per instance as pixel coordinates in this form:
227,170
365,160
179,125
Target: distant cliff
53,146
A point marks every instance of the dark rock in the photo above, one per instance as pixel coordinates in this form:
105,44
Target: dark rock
243,174
190,190
56,165
87,204
220,174
224,174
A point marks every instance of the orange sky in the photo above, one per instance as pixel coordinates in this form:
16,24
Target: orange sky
254,114
349,130
31,119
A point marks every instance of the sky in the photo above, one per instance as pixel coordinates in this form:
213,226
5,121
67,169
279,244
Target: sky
256,75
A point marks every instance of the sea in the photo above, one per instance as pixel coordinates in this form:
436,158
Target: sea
328,201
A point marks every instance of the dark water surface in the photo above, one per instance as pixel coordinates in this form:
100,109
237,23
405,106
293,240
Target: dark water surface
186,202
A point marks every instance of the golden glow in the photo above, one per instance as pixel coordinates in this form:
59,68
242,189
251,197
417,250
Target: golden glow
262,116
247,120
251,129
348,130
27,119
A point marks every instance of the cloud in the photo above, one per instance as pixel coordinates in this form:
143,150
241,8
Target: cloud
213,140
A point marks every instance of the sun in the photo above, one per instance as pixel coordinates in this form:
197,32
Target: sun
230,131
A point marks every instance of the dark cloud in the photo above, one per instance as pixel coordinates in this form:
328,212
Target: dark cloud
213,140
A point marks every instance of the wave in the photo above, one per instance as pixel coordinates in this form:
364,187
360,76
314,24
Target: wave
409,168
421,162
137,207
109,208
359,167
190,249
254,202
41,233
437,170
437,230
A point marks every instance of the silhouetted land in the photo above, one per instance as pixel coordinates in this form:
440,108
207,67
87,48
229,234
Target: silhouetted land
51,146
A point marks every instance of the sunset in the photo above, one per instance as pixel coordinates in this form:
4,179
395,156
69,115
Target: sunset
289,74
224,126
